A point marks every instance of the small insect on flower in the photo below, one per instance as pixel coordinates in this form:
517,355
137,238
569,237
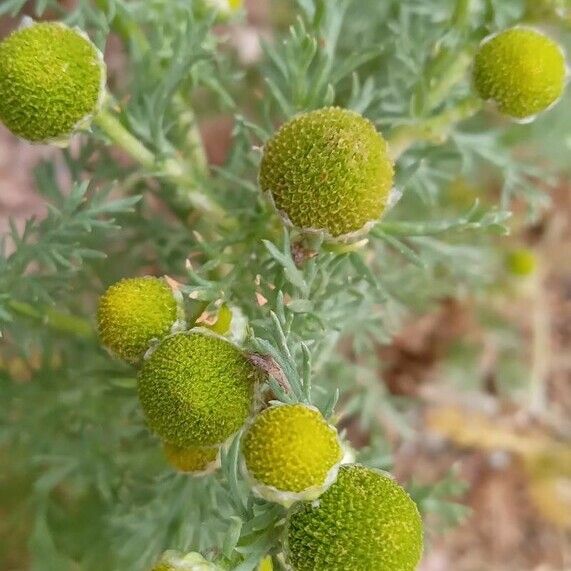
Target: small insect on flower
52,81
328,170
522,70
364,521
197,389
135,311
290,453
196,460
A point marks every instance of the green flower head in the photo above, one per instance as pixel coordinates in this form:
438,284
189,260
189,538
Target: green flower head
133,312
52,80
521,262
196,460
364,521
291,453
196,389
328,170
522,70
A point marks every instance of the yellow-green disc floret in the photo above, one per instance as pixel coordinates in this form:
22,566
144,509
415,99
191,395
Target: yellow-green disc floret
364,521
291,452
133,312
196,389
328,170
51,79
521,70
521,262
192,459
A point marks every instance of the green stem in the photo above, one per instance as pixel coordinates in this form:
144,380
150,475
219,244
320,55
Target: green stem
62,322
115,130
108,122
194,146
125,28
434,129
454,73
447,68
461,15
172,168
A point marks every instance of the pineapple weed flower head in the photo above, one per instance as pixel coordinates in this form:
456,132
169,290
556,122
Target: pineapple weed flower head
52,80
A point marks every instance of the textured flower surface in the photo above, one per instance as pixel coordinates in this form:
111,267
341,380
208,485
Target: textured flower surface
132,313
291,448
192,459
52,81
328,170
365,521
196,389
522,70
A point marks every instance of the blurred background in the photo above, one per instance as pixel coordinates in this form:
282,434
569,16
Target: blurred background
502,425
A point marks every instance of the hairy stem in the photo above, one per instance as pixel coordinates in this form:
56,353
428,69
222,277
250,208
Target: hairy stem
56,320
193,145
461,15
458,62
455,73
434,129
125,28
172,168
115,130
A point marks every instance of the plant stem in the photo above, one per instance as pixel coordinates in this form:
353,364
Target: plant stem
126,29
452,67
62,322
461,16
434,129
171,168
193,141
455,70
541,348
115,130
454,74
108,122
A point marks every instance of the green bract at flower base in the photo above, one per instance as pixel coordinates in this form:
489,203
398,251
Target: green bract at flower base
134,312
291,453
52,81
364,521
328,170
522,70
197,389
195,460
174,561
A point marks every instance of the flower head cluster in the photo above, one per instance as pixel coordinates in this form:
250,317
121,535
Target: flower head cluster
196,388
